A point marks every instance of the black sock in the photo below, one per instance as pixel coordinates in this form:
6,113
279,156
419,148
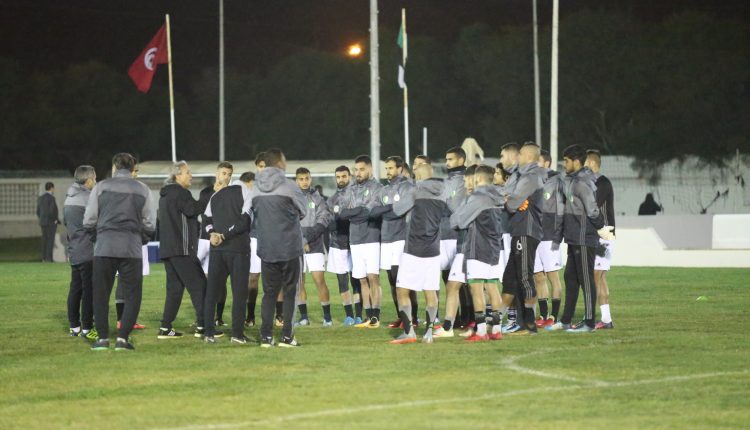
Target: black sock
279,309
543,308
252,298
512,314
326,312
368,313
414,307
358,309
555,308
220,310
447,325
302,311
119,307
376,313
348,311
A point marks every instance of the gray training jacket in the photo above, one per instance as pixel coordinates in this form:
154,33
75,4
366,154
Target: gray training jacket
80,240
454,195
481,217
393,227
582,217
553,207
316,220
123,214
528,185
278,206
424,208
338,228
361,199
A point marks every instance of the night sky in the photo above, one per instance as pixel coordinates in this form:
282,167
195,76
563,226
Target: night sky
48,35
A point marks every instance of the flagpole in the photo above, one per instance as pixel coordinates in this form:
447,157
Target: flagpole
553,85
171,90
222,156
406,89
374,91
537,103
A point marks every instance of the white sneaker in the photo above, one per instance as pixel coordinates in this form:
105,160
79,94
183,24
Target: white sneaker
467,333
441,332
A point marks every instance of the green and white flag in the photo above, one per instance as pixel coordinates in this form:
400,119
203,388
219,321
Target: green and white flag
402,43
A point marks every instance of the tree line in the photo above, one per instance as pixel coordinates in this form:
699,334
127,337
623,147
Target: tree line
654,90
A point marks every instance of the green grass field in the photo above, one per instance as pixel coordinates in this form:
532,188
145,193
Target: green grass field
671,362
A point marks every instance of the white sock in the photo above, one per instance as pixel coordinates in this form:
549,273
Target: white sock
76,329
482,329
497,329
606,317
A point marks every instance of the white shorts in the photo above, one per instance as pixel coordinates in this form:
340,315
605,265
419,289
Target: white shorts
365,260
476,269
457,269
546,259
254,259
146,265
315,262
604,263
447,253
419,273
505,252
390,254
339,261
204,248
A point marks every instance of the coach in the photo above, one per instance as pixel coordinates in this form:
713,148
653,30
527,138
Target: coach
123,214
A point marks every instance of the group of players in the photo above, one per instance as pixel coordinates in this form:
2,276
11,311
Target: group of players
479,226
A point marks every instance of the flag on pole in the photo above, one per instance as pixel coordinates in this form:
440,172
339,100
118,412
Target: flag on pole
143,68
402,43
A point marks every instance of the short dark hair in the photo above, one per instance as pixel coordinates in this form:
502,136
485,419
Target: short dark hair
484,170
81,175
342,168
396,159
302,171
247,177
471,170
225,165
408,170
595,155
510,146
363,159
545,155
259,157
123,160
424,158
273,156
49,185
460,153
575,152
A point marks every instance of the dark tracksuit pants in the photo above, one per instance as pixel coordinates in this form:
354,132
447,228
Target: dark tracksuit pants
183,272
131,282
48,241
579,273
80,296
518,278
281,276
223,264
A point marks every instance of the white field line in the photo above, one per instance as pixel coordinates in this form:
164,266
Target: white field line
426,402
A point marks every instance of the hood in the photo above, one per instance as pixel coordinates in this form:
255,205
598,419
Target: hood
529,168
491,191
585,174
270,179
397,180
169,188
456,171
432,186
76,190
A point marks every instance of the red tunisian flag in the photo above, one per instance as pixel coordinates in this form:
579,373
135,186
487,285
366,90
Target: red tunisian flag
143,68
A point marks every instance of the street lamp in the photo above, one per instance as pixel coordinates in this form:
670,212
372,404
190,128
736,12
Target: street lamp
354,50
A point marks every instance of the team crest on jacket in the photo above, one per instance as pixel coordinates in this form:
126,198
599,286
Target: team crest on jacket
547,195
367,193
396,198
311,205
385,199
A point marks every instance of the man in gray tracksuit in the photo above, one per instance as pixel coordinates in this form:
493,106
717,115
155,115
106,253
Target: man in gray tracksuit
393,228
524,203
314,226
364,237
123,214
583,225
80,254
278,206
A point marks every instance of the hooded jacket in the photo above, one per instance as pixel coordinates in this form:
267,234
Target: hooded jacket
454,194
316,220
528,186
553,206
480,216
123,214
80,240
424,208
338,228
278,205
393,227
582,217
361,199
178,221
